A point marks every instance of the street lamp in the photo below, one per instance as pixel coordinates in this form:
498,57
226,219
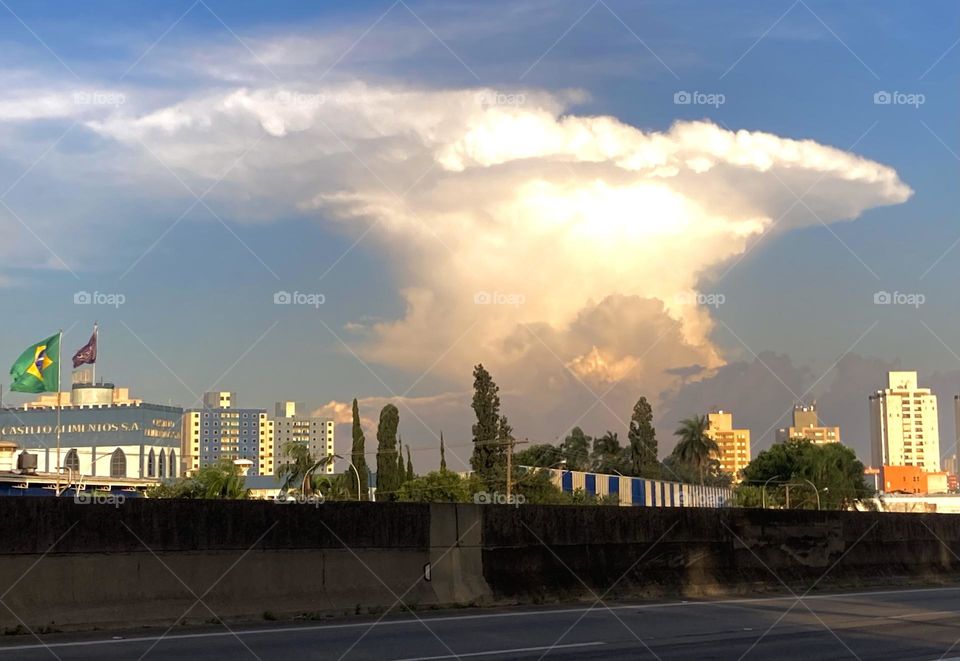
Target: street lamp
763,494
355,471
815,490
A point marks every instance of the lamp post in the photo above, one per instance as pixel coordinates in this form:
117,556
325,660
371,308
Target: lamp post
330,457
357,473
763,494
816,491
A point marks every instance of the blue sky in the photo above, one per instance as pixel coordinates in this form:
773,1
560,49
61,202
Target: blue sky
199,288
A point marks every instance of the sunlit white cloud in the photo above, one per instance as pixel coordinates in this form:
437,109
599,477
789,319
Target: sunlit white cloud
543,243
561,249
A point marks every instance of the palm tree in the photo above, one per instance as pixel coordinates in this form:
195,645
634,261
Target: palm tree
292,471
695,447
334,487
221,480
298,473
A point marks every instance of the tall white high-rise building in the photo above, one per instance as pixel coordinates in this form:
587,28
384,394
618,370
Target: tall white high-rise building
903,424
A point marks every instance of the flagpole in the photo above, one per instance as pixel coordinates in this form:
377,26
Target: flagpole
96,339
59,405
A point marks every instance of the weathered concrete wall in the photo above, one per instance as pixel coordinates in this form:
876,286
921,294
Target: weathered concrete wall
695,552
65,565
152,562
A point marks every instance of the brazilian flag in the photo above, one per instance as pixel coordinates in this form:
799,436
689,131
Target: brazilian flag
38,368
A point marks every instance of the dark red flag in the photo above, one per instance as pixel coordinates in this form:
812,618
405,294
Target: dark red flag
88,353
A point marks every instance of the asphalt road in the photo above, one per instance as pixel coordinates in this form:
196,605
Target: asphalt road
892,624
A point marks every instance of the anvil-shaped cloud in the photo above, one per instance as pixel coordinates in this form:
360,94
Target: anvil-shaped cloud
554,247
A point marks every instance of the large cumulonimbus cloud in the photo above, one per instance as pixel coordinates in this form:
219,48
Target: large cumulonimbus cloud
553,246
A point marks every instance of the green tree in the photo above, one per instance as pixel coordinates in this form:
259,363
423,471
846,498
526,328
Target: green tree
298,465
410,474
537,488
440,487
336,487
358,457
576,450
607,454
184,487
543,455
388,478
490,430
443,454
695,448
642,453
678,470
831,470
221,480
401,468
297,462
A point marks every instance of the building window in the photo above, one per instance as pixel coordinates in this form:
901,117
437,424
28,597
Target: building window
151,464
72,462
162,464
173,463
118,464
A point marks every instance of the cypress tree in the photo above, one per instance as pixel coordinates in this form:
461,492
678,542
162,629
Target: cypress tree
443,454
489,457
388,479
401,468
358,458
643,441
410,475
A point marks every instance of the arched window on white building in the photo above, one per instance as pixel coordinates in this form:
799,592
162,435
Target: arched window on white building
118,464
72,462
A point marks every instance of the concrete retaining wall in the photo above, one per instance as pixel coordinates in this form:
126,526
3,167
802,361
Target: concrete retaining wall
695,552
154,562
64,565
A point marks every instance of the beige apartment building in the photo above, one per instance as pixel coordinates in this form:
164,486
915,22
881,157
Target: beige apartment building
734,444
292,424
903,424
806,424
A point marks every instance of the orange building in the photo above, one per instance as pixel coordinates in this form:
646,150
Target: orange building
911,479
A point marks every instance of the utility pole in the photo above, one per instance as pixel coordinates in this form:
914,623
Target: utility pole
510,445
763,494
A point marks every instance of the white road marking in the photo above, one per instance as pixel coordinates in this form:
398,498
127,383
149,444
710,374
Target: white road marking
498,652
